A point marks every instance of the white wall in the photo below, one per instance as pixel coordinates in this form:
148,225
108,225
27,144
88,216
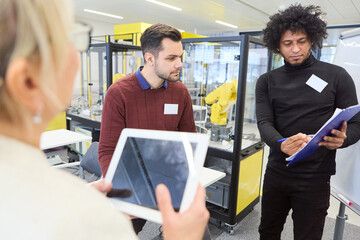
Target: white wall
99,28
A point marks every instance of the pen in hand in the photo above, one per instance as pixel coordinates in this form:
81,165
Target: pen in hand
284,139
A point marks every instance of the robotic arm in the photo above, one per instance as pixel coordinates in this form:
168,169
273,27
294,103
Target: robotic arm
221,100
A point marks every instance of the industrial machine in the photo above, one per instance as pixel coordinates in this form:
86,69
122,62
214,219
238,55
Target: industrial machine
222,100
103,64
110,58
221,74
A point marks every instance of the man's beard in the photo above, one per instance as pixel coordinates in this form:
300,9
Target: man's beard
298,64
164,77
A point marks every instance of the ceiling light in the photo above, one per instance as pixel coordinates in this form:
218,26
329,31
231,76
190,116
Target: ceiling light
281,7
226,24
102,13
165,5
217,4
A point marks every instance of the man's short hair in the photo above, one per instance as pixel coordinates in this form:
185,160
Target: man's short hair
152,37
296,18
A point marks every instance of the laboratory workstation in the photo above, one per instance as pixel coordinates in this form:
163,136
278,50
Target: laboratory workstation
207,119
220,74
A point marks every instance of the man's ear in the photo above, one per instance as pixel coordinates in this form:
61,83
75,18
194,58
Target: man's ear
21,81
149,58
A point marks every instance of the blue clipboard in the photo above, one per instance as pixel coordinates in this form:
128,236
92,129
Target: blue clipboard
333,123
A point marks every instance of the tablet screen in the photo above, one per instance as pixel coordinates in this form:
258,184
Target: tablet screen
144,163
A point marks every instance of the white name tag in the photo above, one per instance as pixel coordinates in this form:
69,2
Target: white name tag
171,109
316,83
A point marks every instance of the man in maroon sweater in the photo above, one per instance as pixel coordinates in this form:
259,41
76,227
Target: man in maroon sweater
151,98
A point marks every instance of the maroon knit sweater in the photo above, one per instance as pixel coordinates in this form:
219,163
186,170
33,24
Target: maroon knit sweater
127,105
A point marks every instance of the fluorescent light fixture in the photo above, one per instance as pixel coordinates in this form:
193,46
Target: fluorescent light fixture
103,14
226,24
165,5
215,3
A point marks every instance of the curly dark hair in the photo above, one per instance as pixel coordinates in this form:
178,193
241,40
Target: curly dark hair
306,19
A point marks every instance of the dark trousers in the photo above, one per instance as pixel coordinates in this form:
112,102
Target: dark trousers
308,198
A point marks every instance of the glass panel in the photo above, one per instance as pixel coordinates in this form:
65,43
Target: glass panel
127,62
328,53
276,61
97,79
211,72
257,65
91,86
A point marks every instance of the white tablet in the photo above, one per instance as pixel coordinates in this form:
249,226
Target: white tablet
145,158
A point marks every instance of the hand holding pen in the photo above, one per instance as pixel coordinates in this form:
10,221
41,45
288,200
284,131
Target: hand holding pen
283,139
294,143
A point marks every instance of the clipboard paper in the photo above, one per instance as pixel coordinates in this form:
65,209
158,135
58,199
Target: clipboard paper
334,122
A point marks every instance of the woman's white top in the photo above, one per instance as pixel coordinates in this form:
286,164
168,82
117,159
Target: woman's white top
40,202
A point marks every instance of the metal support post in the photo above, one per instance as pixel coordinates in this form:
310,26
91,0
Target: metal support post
340,222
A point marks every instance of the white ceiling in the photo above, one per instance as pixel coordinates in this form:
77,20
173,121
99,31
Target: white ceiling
199,16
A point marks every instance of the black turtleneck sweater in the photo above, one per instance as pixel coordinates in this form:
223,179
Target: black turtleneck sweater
285,106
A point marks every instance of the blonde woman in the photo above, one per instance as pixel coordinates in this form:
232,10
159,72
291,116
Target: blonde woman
39,46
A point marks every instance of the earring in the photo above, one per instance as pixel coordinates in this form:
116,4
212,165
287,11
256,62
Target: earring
37,118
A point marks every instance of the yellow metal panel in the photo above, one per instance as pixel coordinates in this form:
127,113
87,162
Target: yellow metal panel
136,39
58,122
209,43
117,76
249,180
191,35
129,31
144,26
133,31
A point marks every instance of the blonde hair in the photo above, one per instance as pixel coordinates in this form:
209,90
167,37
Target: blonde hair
37,30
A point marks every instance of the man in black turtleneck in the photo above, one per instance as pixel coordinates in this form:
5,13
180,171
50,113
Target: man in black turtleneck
292,102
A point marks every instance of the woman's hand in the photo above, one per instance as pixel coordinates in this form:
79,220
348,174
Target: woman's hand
107,189
188,225
101,186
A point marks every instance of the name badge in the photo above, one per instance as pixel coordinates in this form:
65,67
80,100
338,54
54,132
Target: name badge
316,83
171,109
